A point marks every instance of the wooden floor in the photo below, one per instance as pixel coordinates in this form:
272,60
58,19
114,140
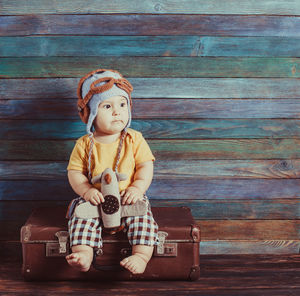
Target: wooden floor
220,275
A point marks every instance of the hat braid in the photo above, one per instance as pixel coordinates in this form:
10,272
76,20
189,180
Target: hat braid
123,135
90,157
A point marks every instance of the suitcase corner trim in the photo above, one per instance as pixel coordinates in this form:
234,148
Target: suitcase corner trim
195,273
25,233
195,233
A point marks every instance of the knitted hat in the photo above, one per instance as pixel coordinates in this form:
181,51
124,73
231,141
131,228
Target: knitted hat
98,86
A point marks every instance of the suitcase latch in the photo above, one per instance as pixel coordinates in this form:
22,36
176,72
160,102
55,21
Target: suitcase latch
163,248
60,248
62,240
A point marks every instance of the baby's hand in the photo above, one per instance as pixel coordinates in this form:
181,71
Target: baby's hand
94,196
131,195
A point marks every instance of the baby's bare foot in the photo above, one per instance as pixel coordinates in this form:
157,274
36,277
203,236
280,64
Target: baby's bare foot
80,260
136,264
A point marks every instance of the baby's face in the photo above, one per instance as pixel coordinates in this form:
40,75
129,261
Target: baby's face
112,116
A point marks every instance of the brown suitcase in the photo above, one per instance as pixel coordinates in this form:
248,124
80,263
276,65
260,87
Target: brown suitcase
44,240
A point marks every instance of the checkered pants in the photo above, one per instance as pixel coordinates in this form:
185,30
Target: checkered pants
141,230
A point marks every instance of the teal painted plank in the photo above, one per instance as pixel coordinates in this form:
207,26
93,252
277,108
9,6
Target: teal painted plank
225,169
172,188
227,67
249,247
155,24
220,189
99,46
155,128
275,108
202,88
249,46
164,108
164,168
36,170
164,149
277,7
149,46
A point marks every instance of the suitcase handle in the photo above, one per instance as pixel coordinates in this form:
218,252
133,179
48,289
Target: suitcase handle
99,252
106,267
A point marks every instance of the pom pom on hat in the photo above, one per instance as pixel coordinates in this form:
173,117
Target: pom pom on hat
98,86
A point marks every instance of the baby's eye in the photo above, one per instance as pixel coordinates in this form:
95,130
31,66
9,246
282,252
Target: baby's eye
123,104
106,106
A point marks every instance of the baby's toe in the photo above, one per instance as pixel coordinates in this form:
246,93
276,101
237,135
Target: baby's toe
124,262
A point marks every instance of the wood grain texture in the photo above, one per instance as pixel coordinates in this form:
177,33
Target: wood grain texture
193,67
265,264
207,247
247,234
171,46
206,149
236,279
167,109
151,25
99,46
220,256
282,258
201,88
225,169
169,188
216,91
280,234
249,247
227,149
187,168
150,128
244,229
276,7
224,275
222,209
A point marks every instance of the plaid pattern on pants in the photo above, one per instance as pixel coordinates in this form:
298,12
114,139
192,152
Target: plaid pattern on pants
141,230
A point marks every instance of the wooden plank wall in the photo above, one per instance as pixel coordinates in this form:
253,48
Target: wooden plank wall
216,93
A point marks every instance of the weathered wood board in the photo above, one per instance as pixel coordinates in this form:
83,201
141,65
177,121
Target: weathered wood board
216,94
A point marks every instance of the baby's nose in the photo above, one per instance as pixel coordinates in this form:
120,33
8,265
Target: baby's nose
116,110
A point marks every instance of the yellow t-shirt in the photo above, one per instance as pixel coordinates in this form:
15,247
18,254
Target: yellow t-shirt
135,150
